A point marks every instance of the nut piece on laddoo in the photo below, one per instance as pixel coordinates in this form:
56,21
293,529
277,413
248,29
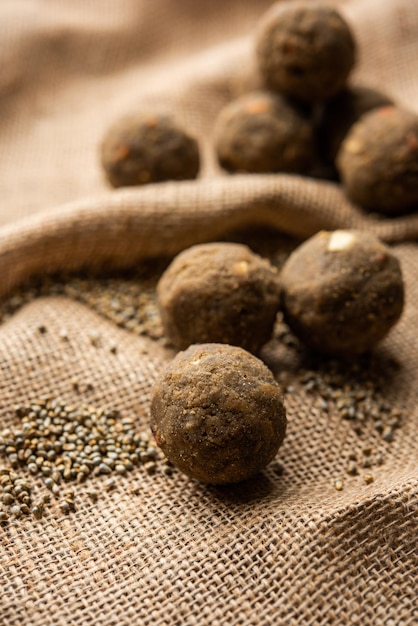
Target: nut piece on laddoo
263,132
305,50
344,110
218,414
148,148
378,161
220,293
342,292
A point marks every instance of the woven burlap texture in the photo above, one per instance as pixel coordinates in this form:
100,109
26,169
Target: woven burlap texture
282,549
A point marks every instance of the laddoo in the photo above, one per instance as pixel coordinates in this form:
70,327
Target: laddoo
217,413
305,50
146,147
342,291
263,132
378,161
219,293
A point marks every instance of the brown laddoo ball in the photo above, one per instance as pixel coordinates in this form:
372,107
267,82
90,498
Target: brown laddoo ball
263,132
148,148
342,292
344,110
221,293
305,50
378,161
218,414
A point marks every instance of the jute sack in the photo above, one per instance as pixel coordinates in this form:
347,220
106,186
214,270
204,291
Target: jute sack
286,547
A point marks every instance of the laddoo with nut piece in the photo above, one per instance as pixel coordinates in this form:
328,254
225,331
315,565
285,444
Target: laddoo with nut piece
378,161
263,132
148,148
218,414
342,292
305,50
221,293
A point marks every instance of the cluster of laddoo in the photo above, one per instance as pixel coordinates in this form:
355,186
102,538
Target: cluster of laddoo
306,118
305,53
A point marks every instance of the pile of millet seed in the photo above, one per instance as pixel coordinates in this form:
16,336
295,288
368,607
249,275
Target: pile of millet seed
128,301
61,444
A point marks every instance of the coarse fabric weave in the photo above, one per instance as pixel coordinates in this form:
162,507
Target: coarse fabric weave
279,549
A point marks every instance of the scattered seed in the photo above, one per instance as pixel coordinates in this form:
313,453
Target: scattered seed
150,467
93,495
104,469
379,426
367,462
37,511
49,483
33,468
368,479
129,301
110,484
94,338
8,499
352,469
387,433
356,392
379,458
16,510
65,506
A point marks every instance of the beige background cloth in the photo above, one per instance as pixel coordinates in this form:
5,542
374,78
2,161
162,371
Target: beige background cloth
280,549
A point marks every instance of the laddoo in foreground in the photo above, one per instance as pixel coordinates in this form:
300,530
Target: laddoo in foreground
218,414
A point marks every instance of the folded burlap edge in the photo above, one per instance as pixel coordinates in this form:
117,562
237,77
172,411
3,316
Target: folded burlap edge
118,229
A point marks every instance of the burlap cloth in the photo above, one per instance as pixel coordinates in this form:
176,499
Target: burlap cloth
287,549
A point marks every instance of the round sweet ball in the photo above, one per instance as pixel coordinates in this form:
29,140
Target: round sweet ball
343,111
221,293
148,148
218,414
305,50
378,161
342,292
263,132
